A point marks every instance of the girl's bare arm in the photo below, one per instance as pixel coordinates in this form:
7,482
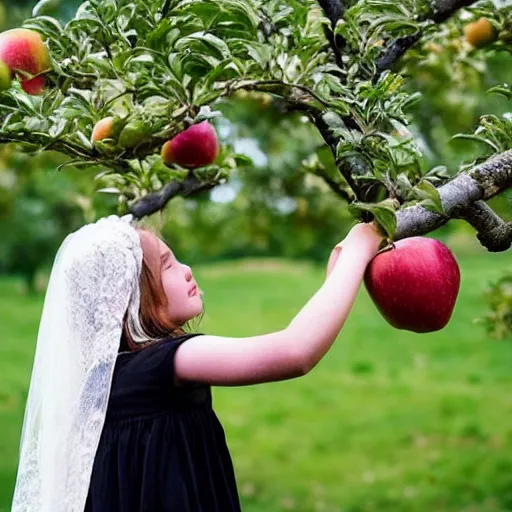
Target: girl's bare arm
295,350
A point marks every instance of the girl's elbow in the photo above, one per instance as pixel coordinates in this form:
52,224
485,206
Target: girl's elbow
302,363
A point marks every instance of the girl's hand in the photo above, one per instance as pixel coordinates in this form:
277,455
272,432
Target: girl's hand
365,238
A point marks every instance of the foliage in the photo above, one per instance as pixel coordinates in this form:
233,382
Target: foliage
494,131
499,297
158,67
37,210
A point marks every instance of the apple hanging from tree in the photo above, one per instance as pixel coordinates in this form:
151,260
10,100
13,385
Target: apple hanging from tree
23,50
414,284
102,129
480,33
194,147
34,86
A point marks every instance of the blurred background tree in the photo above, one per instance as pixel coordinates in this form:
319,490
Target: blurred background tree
39,207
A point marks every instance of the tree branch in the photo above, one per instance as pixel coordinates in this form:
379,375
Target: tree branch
351,168
266,25
397,48
444,9
156,201
440,12
459,197
492,231
270,86
44,142
334,10
165,9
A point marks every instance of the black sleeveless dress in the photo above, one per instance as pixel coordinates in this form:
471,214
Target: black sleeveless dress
162,448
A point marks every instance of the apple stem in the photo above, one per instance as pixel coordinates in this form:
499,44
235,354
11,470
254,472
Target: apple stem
386,248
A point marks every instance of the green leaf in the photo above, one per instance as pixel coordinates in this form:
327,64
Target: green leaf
62,10
384,213
205,113
477,138
391,23
109,190
260,53
46,25
430,196
209,41
243,160
36,124
206,11
84,140
333,120
175,65
6,122
23,100
224,69
404,184
503,90
83,95
58,128
145,57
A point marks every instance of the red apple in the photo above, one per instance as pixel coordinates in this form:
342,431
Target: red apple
34,86
415,284
24,50
194,147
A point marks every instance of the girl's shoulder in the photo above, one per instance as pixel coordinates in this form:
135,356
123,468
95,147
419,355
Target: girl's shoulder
155,358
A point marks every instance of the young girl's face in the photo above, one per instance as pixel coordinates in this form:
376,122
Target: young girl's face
183,295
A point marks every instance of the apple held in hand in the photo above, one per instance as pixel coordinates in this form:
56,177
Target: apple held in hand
23,50
415,284
194,147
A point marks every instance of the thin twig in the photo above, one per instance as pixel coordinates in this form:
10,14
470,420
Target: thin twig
156,201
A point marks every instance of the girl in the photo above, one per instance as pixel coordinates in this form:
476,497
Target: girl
154,442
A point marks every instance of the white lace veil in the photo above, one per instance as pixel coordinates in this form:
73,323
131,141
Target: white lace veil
93,283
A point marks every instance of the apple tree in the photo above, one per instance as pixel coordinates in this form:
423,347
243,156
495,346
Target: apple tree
123,85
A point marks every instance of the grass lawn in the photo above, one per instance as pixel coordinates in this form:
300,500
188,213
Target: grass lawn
388,421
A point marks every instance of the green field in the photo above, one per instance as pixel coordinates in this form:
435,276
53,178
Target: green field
388,421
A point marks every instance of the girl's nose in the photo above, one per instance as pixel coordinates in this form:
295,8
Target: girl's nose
188,273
